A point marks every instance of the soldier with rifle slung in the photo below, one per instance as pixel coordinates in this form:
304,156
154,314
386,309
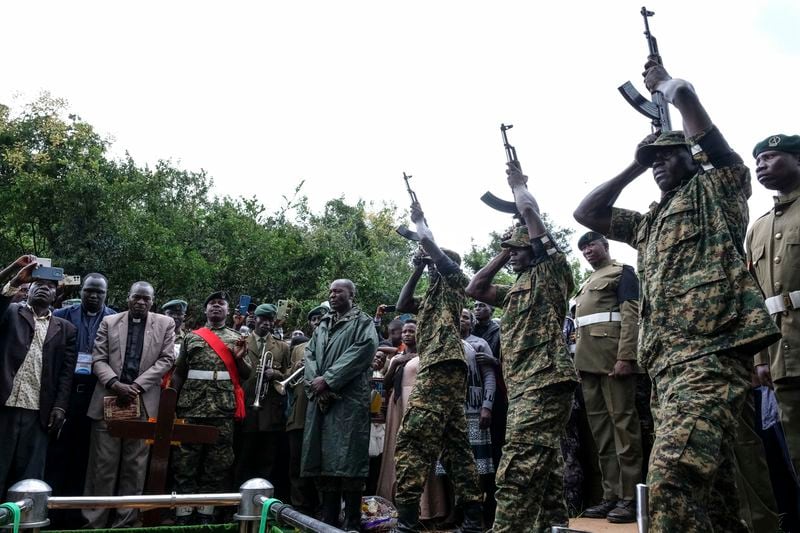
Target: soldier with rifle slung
702,316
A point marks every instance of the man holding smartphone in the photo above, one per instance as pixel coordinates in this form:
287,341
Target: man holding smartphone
37,360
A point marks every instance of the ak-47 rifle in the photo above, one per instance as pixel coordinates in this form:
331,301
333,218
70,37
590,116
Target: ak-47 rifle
656,110
504,206
403,229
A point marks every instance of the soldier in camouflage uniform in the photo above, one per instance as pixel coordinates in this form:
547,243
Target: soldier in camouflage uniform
207,396
176,310
702,317
537,368
434,421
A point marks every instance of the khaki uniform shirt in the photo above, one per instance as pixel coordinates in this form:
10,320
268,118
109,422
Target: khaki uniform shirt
697,296
270,417
206,398
773,255
601,344
439,319
298,401
534,352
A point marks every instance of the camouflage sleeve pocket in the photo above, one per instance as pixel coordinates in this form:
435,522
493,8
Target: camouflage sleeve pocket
702,302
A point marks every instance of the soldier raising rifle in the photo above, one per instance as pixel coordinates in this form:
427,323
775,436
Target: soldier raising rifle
537,368
702,316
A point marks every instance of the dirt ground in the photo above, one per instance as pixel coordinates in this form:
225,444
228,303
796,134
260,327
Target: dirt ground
601,526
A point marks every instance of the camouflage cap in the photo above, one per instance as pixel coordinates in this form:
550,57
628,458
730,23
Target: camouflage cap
590,236
519,238
266,310
779,143
647,153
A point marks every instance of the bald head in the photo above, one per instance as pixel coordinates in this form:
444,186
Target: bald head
140,299
341,294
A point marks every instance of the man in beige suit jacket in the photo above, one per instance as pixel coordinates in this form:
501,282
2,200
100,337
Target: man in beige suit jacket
132,352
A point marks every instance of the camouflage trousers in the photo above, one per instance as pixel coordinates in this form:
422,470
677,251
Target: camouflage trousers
530,486
692,475
434,423
205,467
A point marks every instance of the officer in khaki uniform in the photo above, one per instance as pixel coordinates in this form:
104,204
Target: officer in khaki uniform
263,426
773,256
606,320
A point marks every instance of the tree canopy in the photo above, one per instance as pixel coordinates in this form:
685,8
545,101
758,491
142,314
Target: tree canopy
66,198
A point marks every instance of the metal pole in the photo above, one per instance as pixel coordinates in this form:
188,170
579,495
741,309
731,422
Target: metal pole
249,513
286,514
5,514
642,508
143,501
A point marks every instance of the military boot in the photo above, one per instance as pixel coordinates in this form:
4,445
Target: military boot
331,508
473,514
184,516
600,510
352,511
407,518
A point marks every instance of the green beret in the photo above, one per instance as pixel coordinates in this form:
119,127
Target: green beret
779,143
645,155
318,310
590,236
266,310
218,295
177,304
519,238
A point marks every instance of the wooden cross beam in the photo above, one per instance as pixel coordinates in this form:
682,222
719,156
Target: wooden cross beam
163,432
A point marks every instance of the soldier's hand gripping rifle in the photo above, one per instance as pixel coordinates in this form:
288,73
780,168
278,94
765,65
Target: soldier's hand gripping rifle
656,110
504,206
403,229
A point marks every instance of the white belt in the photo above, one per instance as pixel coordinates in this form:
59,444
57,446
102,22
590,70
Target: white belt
783,302
209,374
595,318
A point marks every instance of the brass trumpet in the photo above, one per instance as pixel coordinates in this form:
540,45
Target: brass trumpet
264,363
290,382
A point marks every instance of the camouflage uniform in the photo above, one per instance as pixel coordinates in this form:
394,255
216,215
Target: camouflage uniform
434,420
702,317
205,467
541,381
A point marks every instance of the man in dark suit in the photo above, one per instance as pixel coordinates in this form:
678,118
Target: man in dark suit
132,352
68,456
37,359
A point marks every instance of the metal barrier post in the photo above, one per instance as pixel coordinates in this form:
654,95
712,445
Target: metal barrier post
642,508
286,514
34,494
249,513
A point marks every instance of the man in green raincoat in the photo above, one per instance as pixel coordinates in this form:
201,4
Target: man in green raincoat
338,361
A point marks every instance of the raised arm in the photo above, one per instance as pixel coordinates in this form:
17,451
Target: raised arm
526,203
682,95
406,302
594,211
480,287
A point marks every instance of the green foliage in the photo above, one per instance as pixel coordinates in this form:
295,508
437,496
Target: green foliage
67,199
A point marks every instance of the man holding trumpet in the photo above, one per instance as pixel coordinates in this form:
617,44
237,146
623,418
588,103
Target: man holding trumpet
264,423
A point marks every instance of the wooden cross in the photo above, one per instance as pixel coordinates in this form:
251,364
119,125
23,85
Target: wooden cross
163,432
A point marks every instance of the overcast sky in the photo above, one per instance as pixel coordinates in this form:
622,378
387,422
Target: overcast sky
347,95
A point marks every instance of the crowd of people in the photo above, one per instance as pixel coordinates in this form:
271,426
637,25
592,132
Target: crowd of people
681,371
